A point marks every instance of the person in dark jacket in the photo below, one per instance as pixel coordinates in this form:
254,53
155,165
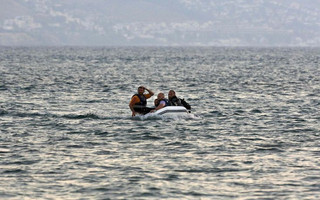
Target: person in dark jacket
175,101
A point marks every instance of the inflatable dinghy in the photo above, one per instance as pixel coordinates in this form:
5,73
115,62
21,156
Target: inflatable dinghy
172,111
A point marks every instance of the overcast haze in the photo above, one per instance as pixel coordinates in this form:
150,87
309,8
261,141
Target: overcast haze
160,22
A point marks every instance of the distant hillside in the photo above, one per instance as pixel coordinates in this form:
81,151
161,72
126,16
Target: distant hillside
160,22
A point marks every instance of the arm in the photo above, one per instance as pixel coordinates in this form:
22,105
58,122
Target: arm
131,104
149,91
161,105
132,110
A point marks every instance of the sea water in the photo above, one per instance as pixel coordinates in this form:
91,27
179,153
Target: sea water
66,130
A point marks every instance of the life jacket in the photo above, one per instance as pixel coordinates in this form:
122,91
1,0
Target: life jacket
166,101
143,100
179,102
174,101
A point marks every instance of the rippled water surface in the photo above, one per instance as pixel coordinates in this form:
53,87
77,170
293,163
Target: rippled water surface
66,131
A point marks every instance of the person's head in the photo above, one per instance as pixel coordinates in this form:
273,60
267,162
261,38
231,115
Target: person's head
160,96
141,89
156,102
171,94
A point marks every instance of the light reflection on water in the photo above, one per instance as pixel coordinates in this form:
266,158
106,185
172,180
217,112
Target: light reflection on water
66,129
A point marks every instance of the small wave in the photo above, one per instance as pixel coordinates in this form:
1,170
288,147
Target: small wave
32,114
99,132
13,171
3,112
256,111
53,115
29,87
216,113
82,116
3,150
3,88
239,112
268,149
75,146
90,116
25,114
